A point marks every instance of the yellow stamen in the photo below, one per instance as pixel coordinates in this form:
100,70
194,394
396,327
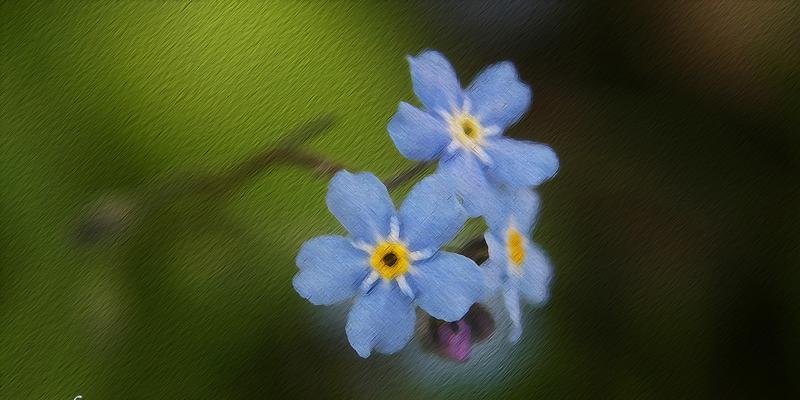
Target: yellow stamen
466,129
390,260
471,128
516,247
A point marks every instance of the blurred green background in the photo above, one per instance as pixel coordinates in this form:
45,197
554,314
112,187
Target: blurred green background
673,224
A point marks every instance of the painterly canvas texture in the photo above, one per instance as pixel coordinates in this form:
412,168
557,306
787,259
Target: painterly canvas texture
130,269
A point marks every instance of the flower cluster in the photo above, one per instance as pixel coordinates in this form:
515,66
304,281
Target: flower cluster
392,261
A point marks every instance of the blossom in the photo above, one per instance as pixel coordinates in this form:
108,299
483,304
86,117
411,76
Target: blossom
390,262
454,340
516,266
464,129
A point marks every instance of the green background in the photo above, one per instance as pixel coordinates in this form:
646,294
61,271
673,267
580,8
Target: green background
672,225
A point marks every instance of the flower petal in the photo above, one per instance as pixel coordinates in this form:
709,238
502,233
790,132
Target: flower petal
516,205
455,340
495,268
464,173
521,163
498,96
493,271
537,272
447,285
361,204
382,319
435,82
511,298
496,246
331,270
431,215
417,134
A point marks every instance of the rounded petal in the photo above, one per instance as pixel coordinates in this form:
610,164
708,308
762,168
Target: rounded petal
495,267
537,272
498,97
464,173
331,270
516,205
417,134
524,204
431,215
447,285
435,82
493,274
521,163
362,205
382,319
496,246
511,298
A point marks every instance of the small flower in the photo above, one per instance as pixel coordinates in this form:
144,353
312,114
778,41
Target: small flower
390,261
516,266
464,130
454,340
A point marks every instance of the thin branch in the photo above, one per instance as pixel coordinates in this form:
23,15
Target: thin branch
286,150
407,175
112,215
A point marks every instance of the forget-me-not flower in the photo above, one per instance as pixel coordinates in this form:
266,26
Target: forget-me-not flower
390,261
516,266
464,129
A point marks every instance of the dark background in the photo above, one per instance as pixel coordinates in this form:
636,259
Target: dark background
672,224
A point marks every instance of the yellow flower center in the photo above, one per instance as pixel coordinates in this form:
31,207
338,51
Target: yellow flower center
516,247
471,128
466,129
390,260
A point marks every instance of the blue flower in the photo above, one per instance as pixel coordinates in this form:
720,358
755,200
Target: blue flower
464,130
516,266
390,261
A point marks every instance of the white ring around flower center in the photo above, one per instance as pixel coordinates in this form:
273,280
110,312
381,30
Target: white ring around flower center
467,132
393,239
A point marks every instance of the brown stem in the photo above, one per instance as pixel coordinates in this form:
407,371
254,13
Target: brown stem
241,173
407,175
286,151
108,217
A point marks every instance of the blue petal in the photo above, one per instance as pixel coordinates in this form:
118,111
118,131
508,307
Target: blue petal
496,246
496,266
382,319
417,134
498,97
511,298
362,205
516,205
447,284
435,82
464,173
431,215
331,270
537,272
493,275
521,163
